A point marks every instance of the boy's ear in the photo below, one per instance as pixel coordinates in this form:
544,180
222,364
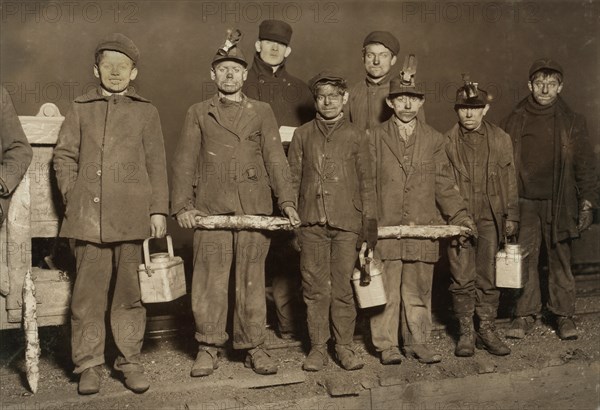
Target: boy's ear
486,108
389,102
257,46
134,74
345,97
96,71
288,51
393,61
212,74
530,86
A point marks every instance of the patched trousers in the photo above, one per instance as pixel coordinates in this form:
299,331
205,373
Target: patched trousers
215,254
326,262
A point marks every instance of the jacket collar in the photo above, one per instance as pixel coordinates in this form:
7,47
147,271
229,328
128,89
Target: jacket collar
264,69
452,148
385,80
246,116
95,94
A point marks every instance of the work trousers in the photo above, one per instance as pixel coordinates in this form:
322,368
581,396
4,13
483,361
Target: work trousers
473,274
327,261
89,302
214,254
536,226
408,289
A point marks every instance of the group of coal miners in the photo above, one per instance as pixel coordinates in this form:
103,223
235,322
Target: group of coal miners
361,157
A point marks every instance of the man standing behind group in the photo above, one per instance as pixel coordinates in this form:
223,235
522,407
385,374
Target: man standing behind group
269,81
293,105
228,160
367,107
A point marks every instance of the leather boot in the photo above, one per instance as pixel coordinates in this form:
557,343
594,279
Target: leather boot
488,339
466,341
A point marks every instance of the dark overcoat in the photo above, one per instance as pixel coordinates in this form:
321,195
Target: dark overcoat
111,168
331,174
574,172
501,182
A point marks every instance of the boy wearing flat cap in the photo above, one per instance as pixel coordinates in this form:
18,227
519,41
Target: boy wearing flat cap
331,177
412,180
481,159
558,190
292,103
111,170
229,161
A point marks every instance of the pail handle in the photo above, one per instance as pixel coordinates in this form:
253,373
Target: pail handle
147,250
365,258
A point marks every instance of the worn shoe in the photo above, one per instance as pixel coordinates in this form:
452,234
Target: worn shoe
423,354
566,328
89,380
520,327
391,355
348,358
136,382
317,359
466,341
488,339
260,361
207,360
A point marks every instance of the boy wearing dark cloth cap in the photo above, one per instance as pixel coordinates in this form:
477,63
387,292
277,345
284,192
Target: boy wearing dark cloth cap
229,160
292,103
481,159
111,171
558,190
412,180
331,177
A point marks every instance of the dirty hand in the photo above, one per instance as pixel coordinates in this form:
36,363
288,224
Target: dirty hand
158,225
187,219
292,215
471,234
511,228
368,233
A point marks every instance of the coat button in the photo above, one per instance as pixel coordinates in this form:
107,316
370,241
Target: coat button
96,199
99,172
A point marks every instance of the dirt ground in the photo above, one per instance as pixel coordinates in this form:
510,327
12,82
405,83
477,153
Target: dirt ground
167,362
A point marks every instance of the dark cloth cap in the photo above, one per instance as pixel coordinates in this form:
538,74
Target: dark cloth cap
545,63
275,30
399,86
121,43
469,95
324,75
383,37
230,51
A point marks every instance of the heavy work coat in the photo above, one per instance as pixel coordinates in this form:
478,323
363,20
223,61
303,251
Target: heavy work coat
331,175
216,168
501,182
411,188
289,97
15,152
575,175
110,167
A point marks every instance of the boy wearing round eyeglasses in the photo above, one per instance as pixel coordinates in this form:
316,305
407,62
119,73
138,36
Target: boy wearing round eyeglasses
558,190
